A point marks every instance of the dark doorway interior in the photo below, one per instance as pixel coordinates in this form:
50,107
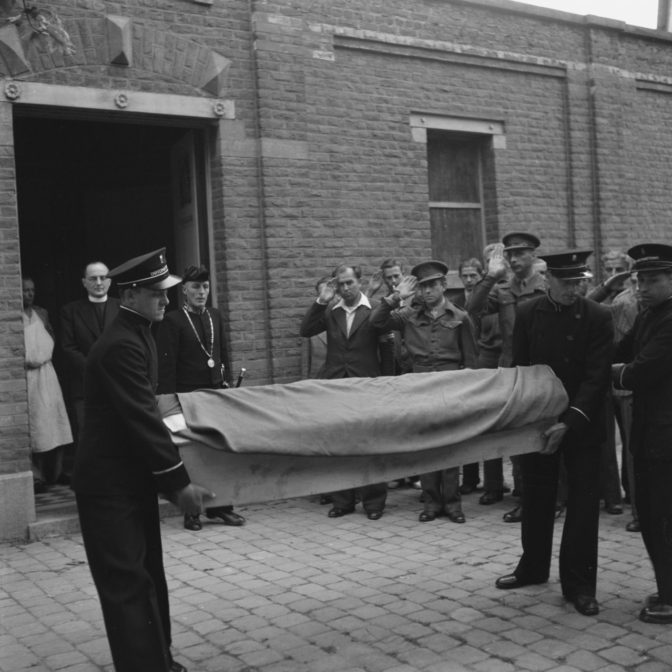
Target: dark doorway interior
89,190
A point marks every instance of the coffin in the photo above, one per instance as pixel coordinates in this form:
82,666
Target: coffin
269,442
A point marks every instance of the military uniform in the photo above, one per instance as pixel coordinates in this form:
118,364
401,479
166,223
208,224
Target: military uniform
124,458
575,341
646,352
439,341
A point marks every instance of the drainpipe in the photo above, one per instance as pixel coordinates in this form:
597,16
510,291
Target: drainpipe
593,148
569,164
261,198
664,12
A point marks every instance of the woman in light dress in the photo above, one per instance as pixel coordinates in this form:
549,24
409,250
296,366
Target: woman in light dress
47,416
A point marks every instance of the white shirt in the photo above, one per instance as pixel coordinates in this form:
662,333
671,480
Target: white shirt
350,310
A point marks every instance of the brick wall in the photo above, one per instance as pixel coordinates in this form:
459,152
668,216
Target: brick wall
574,169
320,166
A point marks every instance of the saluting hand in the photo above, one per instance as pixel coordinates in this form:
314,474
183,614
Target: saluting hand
191,499
407,286
497,266
375,283
614,283
327,292
553,437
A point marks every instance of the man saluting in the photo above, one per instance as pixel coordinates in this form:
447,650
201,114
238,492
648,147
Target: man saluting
124,458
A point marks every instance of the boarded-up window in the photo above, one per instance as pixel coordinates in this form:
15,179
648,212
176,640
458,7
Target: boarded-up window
455,196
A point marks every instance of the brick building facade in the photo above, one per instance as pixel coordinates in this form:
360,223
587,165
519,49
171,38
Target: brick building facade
272,140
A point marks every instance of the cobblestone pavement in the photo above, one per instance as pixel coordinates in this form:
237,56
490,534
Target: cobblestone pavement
294,591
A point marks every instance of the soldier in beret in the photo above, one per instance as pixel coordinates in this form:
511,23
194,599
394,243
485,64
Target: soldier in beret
125,457
573,336
439,337
644,366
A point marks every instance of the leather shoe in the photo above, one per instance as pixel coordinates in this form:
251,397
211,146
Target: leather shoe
325,499
633,526
335,512
613,509
513,516
374,515
176,667
585,604
192,522
467,488
652,599
227,517
491,497
427,517
511,581
656,613
456,516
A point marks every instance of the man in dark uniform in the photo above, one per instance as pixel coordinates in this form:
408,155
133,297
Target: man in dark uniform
645,367
124,458
193,355
574,337
439,337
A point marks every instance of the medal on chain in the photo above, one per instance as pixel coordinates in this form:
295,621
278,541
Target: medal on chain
209,355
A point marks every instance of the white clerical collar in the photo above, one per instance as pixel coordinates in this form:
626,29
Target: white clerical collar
97,299
363,301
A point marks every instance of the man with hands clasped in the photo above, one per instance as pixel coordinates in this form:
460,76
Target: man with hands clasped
574,337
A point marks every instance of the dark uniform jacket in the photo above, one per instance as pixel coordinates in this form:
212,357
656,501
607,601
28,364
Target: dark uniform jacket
576,342
183,366
125,448
80,329
647,351
366,353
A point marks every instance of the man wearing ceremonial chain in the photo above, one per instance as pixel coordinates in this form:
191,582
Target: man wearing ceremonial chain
193,355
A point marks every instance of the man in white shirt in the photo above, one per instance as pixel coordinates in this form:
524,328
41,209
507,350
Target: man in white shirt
355,349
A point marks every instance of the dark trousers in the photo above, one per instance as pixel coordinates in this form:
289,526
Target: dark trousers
493,475
653,489
610,481
578,548
122,538
623,413
441,491
373,497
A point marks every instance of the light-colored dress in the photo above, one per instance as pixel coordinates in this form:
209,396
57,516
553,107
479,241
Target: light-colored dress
49,424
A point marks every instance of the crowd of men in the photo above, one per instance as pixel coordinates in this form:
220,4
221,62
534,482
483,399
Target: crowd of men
520,309
512,312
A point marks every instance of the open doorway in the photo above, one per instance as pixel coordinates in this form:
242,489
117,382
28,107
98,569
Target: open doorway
92,189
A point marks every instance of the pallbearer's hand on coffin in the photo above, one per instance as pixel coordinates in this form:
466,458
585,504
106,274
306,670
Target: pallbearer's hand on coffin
191,499
553,436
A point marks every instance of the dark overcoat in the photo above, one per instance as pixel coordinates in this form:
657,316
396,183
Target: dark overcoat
80,329
125,446
647,351
576,342
182,363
